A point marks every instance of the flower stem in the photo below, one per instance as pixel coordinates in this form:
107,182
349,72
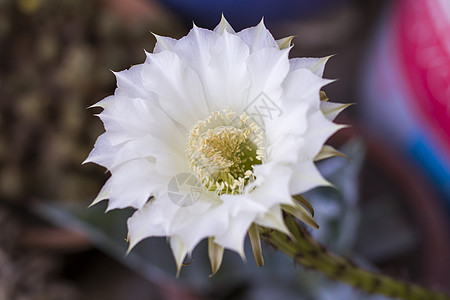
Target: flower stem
309,253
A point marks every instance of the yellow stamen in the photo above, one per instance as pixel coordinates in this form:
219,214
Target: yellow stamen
223,149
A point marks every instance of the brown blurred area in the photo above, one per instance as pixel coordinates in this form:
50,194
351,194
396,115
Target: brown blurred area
56,58
55,61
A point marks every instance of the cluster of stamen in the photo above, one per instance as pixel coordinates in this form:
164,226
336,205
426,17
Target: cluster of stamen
223,149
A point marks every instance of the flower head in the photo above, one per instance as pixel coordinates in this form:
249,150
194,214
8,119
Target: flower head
212,136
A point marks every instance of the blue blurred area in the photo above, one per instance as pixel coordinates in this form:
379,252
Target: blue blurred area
434,162
247,13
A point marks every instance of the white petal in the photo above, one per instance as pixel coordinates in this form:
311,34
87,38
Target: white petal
160,126
152,220
291,122
241,212
167,162
195,50
227,81
126,119
331,110
223,26
315,64
306,177
319,130
132,183
286,149
103,194
233,238
103,152
163,43
178,87
258,37
179,251
273,219
105,102
129,83
138,129
268,67
192,227
241,203
303,85
274,188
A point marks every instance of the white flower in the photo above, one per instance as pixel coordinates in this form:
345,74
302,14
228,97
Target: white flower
232,110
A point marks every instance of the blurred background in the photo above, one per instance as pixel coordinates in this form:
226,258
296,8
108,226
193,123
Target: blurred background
390,213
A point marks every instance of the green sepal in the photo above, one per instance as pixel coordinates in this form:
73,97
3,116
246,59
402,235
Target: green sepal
285,42
323,96
300,213
255,240
328,151
302,200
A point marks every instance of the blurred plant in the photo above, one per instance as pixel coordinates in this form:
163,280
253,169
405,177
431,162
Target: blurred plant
54,59
25,273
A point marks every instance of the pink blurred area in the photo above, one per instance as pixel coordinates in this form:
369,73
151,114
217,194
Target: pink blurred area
407,86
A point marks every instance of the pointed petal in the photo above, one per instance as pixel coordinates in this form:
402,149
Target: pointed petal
242,204
152,220
331,110
255,240
274,188
131,119
285,42
163,43
103,194
327,152
165,160
178,87
195,50
315,64
194,223
105,102
215,253
227,81
223,26
267,67
179,251
306,177
258,37
320,129
129,184
241,212
129,83
303,85
288,149
234,236
293,122
273,219
103,152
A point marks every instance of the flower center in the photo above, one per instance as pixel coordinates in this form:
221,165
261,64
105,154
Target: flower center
223,149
